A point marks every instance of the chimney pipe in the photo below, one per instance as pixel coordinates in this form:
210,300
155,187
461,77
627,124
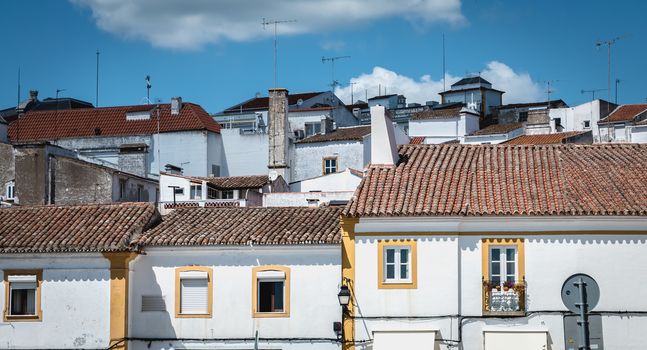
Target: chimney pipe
278,133
176,105
33,95
384,149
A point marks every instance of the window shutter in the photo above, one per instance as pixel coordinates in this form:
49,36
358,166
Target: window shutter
21,278
194,297
23,285
270,274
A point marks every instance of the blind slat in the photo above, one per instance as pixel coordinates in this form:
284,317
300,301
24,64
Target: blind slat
194,296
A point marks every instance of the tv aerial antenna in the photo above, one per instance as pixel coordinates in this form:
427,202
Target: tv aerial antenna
275,23
334,83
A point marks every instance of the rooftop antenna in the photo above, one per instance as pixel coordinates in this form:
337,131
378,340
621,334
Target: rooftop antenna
609,43
56,113
96,99
332,60
549,91
275,23
148,89
617,83
592,92
352,101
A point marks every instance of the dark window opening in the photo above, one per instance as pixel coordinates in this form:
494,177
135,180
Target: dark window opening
523,117
270,296
23,302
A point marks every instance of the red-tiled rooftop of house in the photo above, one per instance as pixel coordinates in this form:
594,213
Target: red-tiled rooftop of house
490,180
235,182
544,139
354,133
495,129
82,228
437,113
260,103
417,140
239,226
108,121
625,113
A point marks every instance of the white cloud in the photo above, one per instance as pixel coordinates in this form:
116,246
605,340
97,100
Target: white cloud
192,24
519,87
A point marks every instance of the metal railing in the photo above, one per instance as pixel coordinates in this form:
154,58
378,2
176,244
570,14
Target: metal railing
501,298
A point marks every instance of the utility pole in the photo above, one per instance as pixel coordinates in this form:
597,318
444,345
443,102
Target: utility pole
275,23
617,83
609,43
592,92
96,100
352,101
56,113
18,104
332,60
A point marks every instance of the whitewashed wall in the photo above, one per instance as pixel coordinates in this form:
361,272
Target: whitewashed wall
450,283
304,199
443,129
340,181
193,151
308,157
75,302
493,139
244,154
639,134
315,276
573,118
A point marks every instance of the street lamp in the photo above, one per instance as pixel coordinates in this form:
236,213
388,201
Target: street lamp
344,297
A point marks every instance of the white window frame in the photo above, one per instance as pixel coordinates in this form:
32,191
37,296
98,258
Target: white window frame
397,264
313,128
503,263
328,168
195,192
10,190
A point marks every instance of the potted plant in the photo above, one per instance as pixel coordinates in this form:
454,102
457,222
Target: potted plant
507,285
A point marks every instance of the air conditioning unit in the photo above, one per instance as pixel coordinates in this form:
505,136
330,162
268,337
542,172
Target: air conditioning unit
299,134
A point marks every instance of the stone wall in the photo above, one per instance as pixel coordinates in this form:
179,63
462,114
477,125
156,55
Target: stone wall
77,182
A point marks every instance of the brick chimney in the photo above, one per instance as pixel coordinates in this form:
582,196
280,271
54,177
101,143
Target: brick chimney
384,149
278,133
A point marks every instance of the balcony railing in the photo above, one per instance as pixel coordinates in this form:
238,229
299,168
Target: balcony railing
504,298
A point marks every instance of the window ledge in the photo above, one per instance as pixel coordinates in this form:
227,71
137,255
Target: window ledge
397,285
270,314
504,313
193,316
22,318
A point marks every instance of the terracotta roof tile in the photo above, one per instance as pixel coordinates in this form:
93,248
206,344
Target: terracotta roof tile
625,113
234,182
236,226
437,113
543,139
83,228
108,121
477,180
497,129
354,133
418,140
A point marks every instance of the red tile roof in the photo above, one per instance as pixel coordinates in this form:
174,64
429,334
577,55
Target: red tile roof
354,133
108,121
82,228
418,140
235,182
544,139
239,226
438,113
625,113
495,129
261,103
477,180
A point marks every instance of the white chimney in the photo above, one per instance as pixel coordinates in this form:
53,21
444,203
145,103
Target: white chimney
384,149
176,105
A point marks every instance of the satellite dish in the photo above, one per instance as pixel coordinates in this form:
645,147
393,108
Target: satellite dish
273,175
299,102
571,292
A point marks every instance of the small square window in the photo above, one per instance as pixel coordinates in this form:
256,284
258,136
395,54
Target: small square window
329,165
523,116
23,295
587,123
271,294
229,194
397,264
312,128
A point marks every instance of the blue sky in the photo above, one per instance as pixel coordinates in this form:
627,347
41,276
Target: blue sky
217,54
